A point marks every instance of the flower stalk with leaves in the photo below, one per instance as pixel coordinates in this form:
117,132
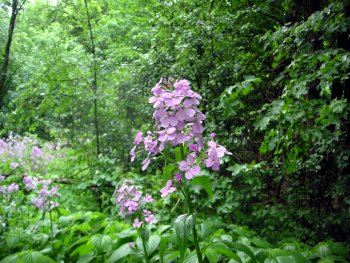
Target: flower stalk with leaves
179,126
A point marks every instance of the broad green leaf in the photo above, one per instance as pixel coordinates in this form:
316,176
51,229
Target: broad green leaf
106,243
10,259
35,257
294,258
153,243
205,183
183,227
191,258
167,172
121,252
212,255
86,259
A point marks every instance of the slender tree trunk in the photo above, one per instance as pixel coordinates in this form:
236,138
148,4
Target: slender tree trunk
94,83
15,8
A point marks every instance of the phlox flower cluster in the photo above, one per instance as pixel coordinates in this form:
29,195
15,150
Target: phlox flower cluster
23,153
7,190
131,202
178,121
44,192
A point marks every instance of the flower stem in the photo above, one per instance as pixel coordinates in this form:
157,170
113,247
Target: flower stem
190,209
145,248
194,230
50,213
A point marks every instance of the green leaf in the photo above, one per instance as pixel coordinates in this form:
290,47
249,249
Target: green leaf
178,155
106,243
35,257
183,226
191,258
162,248
211,255
322,250
12,241
205,183
242,248
96,241
10,259
153,243
167,172
121,252
86,259
261,243
294,258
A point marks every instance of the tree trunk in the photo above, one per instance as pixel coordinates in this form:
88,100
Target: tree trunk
94,83
5,65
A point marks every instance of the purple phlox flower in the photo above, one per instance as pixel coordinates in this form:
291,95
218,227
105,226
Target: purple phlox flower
182,86
172,99
181,138
149,217
2,177
39,202
148,199
3,144
178,177
169,119
135,193
44,191
184,113
138,138
131,205
30,182
157,98
37,152
132,153
221,150
212,135
167,189
12,188
145,163
189,167
193,147
137,223
213,161
14,165
150,145
190,102
197,128
168,134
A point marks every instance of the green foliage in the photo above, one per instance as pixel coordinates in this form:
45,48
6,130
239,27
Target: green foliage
279,71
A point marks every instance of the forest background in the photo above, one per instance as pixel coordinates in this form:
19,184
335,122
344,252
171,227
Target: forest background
274,76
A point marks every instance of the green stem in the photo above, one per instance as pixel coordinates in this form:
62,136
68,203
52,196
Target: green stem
194,230
145,248
53,247
190,208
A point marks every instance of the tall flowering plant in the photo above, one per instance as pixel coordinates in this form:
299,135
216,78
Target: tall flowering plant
179,126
